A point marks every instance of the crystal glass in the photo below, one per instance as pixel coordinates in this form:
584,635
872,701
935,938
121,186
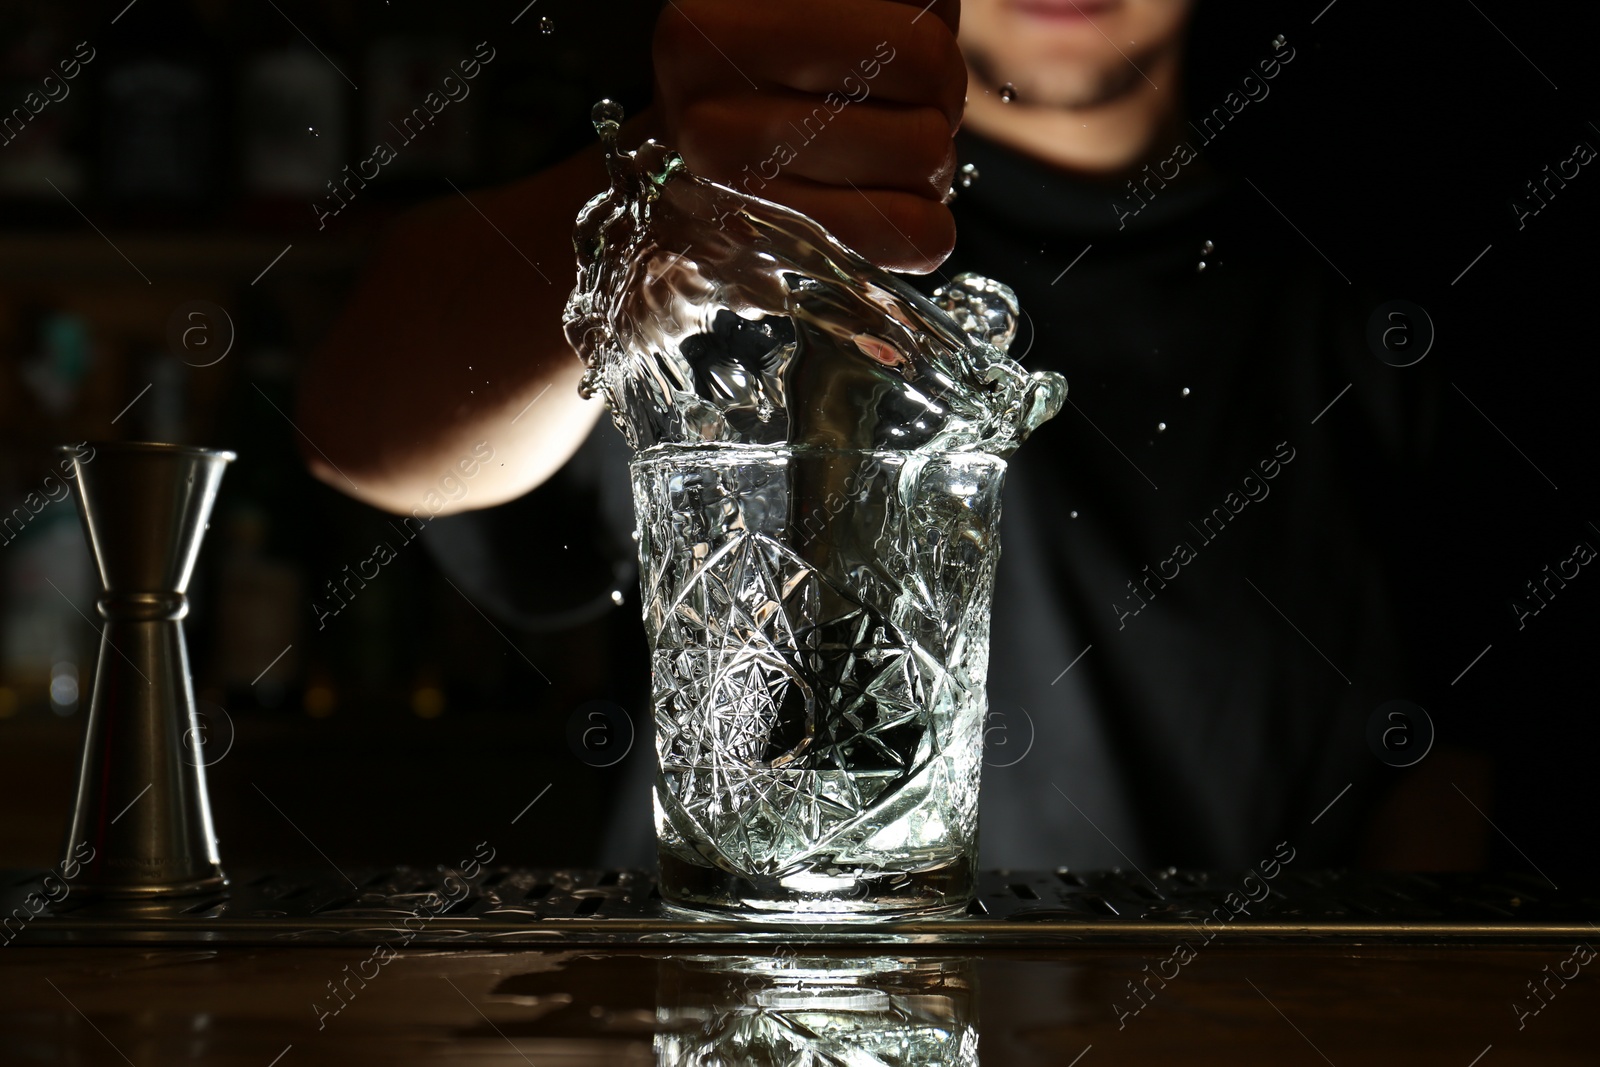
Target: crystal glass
789,1009
819,631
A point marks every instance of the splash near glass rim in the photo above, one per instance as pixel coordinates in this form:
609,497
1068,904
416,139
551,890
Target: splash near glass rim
708,316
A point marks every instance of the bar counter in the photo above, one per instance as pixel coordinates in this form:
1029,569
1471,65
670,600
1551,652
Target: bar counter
517,966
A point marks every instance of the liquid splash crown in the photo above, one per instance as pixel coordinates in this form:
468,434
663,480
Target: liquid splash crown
707,316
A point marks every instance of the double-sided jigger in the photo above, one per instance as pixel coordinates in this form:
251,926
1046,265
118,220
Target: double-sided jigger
142,803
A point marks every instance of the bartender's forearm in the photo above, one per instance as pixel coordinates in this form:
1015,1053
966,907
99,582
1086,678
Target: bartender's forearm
452,346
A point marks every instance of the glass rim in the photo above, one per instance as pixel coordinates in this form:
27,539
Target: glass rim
672,451
149,448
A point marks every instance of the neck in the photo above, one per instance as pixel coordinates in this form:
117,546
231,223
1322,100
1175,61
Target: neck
1103,139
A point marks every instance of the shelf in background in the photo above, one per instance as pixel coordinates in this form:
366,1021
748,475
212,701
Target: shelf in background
86,256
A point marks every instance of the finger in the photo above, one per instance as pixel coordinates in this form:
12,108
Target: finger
947,11
895,230
747,143
848,47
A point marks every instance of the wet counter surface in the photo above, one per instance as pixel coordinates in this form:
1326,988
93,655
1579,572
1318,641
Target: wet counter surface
513,965
1225,1004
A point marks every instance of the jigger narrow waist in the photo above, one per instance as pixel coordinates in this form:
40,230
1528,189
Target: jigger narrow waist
144,607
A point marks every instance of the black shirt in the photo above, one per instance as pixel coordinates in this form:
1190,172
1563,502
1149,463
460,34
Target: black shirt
1195,613
1198,541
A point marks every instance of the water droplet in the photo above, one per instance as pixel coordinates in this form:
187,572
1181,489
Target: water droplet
967,175
547,26
312,130
1008,92
1201,267
1279,41
616,597
1207,248
1161,427
1186,390
1074,514
605,111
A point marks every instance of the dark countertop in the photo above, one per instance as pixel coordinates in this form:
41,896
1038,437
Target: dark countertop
537,966
1229,1005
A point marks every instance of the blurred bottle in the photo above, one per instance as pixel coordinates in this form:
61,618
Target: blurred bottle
293,132
47,647
261,601
54,370
47,644
42,92
428,123
161,414
160,106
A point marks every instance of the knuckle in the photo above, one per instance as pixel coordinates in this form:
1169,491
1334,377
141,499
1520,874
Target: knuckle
664,44
947,54
702,115
955,84
929,40
926,226
702,131
675,41
938,234
927,144
936,63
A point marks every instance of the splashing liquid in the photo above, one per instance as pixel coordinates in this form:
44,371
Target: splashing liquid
707,316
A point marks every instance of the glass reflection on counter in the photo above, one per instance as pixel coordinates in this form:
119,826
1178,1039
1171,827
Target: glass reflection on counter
793,1008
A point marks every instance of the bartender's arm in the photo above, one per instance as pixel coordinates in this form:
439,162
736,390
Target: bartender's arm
453,337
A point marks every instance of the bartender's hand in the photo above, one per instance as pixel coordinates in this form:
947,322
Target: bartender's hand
841,109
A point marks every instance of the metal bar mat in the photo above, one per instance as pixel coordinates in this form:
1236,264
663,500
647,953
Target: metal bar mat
530,907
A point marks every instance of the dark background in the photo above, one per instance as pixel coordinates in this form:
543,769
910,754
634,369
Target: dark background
187,157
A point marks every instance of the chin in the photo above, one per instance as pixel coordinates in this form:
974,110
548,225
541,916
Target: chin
1060,78
1038,40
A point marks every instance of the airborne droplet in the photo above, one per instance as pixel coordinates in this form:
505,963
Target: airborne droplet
967,175
1008,92
1207,248
607,110
1161,427
547,25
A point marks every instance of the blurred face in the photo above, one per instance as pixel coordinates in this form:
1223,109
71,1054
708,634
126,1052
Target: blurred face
1069,53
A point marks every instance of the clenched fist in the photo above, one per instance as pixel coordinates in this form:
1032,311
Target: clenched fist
841,109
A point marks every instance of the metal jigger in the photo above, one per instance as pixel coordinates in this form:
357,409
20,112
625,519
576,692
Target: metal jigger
142,803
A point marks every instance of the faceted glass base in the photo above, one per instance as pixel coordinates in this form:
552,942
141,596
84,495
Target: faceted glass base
811,896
